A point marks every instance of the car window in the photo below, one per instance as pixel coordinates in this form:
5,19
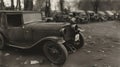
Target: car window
14,20
31,17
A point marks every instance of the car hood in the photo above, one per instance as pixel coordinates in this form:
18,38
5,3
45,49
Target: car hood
46,26
41,30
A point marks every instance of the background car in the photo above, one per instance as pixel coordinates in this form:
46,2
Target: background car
81,16
110,15
116,14
91,15
102,16
60,17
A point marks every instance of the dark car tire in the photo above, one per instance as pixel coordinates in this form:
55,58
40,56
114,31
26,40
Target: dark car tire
55,52
80,42
2,42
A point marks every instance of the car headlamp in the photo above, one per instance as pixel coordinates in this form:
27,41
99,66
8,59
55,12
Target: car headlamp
74,26
62,30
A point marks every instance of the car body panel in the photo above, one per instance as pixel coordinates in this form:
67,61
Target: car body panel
40,30
39,43
110,15
27,33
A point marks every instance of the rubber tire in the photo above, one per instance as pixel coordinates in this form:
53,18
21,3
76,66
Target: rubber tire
60,46
81,41
2,44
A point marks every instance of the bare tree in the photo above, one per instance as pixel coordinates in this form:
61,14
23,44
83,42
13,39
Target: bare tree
91,5
25,4
101,5
62,5
28,4
2,6
96,5
48,8
18,6
39,5
84,5
12,4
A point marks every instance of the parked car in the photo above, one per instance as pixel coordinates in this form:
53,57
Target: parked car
102,16
84,17
116,14
80,16
92,15
110,15
60,17
26,30
49,19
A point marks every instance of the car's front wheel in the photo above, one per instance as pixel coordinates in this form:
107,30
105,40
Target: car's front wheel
79,41
2,42
56,53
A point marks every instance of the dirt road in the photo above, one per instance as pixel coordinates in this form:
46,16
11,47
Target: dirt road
102,49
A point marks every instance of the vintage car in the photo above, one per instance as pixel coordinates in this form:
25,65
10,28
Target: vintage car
116,14
92,15
26,30
102,16
110,15
61,17
81,16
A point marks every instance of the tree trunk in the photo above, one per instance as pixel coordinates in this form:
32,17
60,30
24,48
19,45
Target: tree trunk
39,5
61,5
48,8
2,6
96,5
18,6
28,4
12,4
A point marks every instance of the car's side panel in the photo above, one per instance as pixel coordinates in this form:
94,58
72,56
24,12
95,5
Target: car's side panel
40,42
28,35
16,35
50,38
42,30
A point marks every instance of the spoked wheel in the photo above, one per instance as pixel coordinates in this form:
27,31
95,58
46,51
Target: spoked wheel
2,42
79,41
56,53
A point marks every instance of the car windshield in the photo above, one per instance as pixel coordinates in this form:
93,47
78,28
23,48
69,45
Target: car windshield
31,17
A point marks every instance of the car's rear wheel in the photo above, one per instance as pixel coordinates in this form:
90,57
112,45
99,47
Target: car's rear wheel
2,42
56,53
79,41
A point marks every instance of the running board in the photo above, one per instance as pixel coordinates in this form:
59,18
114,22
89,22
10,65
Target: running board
21,47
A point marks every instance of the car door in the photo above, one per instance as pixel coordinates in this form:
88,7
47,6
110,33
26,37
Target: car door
16,35
15,28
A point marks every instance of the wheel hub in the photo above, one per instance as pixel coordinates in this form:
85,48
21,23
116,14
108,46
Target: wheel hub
77,37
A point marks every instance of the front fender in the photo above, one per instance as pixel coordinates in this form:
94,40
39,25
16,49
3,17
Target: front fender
55,39
80,29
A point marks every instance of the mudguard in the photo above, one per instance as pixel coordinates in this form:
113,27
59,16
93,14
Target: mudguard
81,30
55,39
41,42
